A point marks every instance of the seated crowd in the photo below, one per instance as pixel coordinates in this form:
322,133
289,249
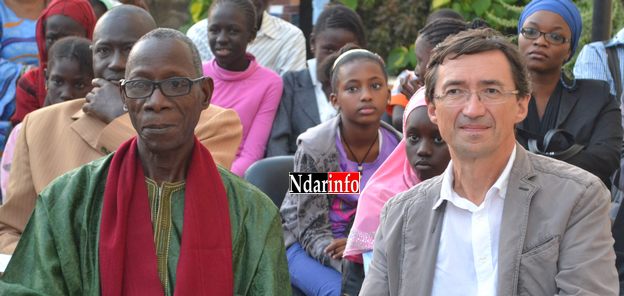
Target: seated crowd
484,171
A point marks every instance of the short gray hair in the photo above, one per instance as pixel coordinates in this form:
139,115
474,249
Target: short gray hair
167,33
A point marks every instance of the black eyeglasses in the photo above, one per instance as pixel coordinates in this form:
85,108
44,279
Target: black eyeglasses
553,38
172,87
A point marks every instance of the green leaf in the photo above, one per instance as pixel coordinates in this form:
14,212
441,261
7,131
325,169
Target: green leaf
397,58
411,56
500,22
513,8
353,4
439,4
198,9
481,6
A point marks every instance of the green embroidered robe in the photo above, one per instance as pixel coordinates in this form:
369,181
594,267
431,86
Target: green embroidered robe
58,251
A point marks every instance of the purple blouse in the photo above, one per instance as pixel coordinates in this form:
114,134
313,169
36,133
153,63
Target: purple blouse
342,208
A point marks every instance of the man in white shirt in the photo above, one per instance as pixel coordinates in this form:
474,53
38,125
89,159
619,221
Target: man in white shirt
279,45
499,220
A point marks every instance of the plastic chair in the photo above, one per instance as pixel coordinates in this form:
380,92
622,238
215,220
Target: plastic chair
271,176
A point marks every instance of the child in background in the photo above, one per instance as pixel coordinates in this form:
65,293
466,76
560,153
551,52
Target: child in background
68,76
422,154
316,225
60,19
305,100
240,83
428,37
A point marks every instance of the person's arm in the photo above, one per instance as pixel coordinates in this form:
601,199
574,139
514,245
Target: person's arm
220,131
271,277
307,215
586,257
602,154
279,140
21,195
592,63
254,145
35,268
376,279
397,117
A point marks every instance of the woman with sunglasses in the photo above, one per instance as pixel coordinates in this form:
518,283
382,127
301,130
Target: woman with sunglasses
577,121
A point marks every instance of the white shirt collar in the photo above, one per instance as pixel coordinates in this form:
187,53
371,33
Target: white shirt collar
447,192
619,37
312,70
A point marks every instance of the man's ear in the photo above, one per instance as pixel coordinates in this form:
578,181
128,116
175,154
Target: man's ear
207,86
523,108
431,111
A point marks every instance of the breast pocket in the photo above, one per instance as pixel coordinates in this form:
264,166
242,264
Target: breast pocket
538,268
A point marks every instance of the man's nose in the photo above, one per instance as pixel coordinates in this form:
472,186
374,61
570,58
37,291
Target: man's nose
118,61
474,107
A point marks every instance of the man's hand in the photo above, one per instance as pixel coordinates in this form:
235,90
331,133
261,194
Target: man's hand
336,248
139,3
104,100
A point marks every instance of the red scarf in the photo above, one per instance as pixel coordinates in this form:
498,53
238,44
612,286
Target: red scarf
31,93
127,254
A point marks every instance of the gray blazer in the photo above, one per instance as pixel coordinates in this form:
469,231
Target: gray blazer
555,235
296,113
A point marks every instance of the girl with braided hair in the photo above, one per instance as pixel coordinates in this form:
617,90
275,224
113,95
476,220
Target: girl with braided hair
428,37
60,19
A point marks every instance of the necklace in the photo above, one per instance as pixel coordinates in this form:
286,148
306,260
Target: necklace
360,163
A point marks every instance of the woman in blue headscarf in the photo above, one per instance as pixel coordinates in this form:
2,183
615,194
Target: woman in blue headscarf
577,121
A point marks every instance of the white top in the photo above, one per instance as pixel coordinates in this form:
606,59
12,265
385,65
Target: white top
467,262
325,108
279,45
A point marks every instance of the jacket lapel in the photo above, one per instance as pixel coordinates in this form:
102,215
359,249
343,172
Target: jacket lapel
88,128
432,244
568,101
418,269
520,191
306,100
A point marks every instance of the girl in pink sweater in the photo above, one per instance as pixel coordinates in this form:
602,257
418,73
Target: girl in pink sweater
240,82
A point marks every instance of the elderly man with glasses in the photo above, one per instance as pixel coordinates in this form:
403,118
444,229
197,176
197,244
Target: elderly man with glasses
157,217
60,138
499,220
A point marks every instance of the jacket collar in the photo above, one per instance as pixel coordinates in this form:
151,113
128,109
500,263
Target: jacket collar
520,190
306,98
569,98
321,139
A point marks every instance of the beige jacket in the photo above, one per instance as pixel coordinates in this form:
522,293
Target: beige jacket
59,138
555,235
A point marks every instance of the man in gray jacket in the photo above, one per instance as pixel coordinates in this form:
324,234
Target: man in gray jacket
499,220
